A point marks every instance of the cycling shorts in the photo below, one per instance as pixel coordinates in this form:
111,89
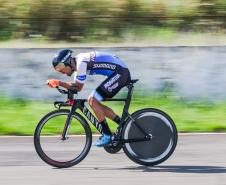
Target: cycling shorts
113,84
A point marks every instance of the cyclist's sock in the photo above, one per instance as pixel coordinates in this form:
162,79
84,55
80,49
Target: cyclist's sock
117,119
106,129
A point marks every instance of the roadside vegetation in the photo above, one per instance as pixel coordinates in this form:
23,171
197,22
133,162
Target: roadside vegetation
19,117
109,21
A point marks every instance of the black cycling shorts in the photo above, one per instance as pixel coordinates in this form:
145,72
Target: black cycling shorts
112,85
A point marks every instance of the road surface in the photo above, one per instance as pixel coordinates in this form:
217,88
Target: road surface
198,160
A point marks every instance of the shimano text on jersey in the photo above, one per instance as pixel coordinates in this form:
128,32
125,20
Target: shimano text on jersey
105,66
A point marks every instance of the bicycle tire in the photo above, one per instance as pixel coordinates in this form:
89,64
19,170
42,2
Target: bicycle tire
158,149
38,145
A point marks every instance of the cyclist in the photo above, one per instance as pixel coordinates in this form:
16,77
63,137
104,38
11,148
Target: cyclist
94,63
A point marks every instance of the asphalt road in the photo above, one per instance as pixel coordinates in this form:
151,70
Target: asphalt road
198,159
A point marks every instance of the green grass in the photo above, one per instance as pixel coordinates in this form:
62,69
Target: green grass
20,117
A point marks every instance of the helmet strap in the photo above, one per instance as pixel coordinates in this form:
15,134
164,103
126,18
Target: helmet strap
73,63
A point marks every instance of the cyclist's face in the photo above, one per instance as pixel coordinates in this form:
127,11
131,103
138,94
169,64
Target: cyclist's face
66,70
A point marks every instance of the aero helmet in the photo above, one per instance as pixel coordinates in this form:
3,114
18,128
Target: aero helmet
62,59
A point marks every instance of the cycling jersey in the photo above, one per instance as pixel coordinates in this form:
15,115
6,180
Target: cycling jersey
96,63
99,63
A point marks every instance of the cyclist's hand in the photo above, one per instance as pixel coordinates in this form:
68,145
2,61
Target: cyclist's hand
53,83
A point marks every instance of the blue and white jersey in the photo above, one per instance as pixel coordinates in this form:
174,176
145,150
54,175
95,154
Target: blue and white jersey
96,63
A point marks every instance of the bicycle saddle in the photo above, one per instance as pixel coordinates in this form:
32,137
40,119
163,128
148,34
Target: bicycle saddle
134,81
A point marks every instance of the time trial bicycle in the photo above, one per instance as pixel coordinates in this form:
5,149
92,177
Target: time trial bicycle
63,137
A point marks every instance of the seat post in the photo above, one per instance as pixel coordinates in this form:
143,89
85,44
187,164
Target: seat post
127,102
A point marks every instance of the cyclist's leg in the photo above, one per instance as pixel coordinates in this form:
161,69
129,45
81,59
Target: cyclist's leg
109,113
99,112
97,107
110,87
96,97
102,111
107,89
105,111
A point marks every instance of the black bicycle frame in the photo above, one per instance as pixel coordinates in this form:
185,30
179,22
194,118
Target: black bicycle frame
80,104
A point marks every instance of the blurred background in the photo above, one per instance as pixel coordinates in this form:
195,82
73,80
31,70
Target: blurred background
115,21
176,48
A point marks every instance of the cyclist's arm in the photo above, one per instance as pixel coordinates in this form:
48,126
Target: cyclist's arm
80,77
72,86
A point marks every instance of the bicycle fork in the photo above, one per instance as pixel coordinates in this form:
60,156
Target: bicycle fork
68,122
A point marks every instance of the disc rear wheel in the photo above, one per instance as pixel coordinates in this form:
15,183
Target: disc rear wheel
162,130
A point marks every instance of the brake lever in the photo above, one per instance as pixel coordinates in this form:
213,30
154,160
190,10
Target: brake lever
56,105
59,104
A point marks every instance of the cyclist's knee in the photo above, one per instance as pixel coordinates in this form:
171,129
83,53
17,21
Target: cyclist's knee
91,100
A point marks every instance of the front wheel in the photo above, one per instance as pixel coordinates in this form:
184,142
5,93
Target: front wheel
162,130
55,151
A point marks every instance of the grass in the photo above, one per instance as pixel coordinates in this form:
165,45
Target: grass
20,117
